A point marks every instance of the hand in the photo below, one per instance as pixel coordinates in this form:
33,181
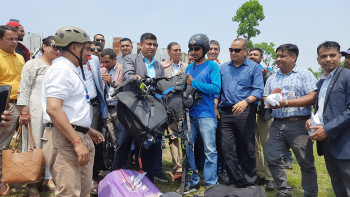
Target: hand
264,71
189,79
96,136
82,153
167,63
179,73
319,135
239,107
107,78
24,120
308,125
5,117
137,77
217,114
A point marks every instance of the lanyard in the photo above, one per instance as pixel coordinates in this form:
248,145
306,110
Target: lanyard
86,91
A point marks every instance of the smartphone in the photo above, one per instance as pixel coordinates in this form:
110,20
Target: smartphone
5,91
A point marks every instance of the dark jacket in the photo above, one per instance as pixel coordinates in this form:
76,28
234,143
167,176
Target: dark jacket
336,114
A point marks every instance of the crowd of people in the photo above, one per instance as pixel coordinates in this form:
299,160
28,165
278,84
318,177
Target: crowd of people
238,135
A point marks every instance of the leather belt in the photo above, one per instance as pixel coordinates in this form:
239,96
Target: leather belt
94,100
293,119
80,129
12,101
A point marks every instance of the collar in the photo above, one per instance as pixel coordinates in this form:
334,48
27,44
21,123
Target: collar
69,64
294,70
218,61
146,60
330,74
3,53
245,63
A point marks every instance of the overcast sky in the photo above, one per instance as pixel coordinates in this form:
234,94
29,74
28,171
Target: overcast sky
306,23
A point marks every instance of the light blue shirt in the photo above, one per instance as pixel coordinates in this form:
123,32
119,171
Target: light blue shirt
151,72
110,90
302,80
89,82
322,93
175,68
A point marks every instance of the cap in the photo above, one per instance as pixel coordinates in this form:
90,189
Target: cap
13,24
345,52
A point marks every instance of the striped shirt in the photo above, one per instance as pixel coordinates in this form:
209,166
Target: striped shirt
303,82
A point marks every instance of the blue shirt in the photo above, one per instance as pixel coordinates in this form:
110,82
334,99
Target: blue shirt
240,82
302,80
206,80
322,93
151,72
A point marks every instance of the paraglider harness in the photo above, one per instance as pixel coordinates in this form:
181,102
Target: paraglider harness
146,108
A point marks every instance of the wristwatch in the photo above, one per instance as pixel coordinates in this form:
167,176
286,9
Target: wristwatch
248,101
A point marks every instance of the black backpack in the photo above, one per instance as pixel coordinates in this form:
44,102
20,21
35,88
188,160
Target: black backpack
230,191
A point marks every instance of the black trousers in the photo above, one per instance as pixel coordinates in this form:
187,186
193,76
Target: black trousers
238,145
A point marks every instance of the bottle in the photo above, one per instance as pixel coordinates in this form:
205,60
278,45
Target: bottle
291,95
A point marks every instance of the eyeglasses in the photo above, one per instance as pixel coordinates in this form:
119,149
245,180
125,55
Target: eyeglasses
94,49
194,48
55,48
100,40
235,50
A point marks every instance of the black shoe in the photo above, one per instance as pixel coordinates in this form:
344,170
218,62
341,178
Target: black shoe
284,193
270,185
288,165
160,176
223,177
190,189
260,181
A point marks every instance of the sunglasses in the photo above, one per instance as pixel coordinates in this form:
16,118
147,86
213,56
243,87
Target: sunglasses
55,48
194,48
235,50
94,49
100,40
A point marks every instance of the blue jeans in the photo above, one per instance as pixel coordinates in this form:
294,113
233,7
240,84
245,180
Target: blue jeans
206,128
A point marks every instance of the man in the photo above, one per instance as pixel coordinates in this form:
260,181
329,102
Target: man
214,51
96,48
332,108
11,64
101,39
263,123
139,66
111,76
346,54
242,85
174,67
204,76
298,87
20,49
94,86
67,115
126,49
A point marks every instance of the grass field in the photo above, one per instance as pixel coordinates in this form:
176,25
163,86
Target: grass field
294,180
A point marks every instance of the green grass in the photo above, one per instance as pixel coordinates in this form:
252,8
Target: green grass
294,180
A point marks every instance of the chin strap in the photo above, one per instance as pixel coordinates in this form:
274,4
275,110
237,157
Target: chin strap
80,61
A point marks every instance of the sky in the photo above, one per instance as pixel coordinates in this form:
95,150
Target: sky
306,23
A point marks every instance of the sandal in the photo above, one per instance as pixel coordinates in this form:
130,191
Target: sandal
32,190
4,189
50,184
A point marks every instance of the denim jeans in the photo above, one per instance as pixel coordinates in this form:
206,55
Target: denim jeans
206,128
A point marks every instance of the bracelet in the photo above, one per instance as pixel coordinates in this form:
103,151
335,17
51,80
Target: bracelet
25,114
76,140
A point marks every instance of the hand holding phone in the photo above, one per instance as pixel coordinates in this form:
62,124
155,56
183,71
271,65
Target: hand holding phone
5,91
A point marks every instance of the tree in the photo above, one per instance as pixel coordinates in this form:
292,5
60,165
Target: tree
269,53
248,17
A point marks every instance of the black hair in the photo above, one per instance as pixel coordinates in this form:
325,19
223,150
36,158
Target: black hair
109,52
125,39
147,36
214,42
327,45
171,44
4,28
257,49
245,43
47,41
291,48
97,44
99,35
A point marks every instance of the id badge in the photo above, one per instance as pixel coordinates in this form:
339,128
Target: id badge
291,94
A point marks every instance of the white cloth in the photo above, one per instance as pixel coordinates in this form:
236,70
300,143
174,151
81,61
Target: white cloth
63,80
273,100
315,121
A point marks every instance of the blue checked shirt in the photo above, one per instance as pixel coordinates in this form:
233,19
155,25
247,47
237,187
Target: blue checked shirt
304,82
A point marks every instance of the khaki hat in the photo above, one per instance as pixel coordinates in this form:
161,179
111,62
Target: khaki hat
66,35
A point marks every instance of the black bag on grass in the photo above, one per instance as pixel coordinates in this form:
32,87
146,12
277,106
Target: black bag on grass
230,191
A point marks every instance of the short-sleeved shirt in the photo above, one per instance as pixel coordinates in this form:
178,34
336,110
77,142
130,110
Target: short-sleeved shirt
10,71
63,80
303,82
